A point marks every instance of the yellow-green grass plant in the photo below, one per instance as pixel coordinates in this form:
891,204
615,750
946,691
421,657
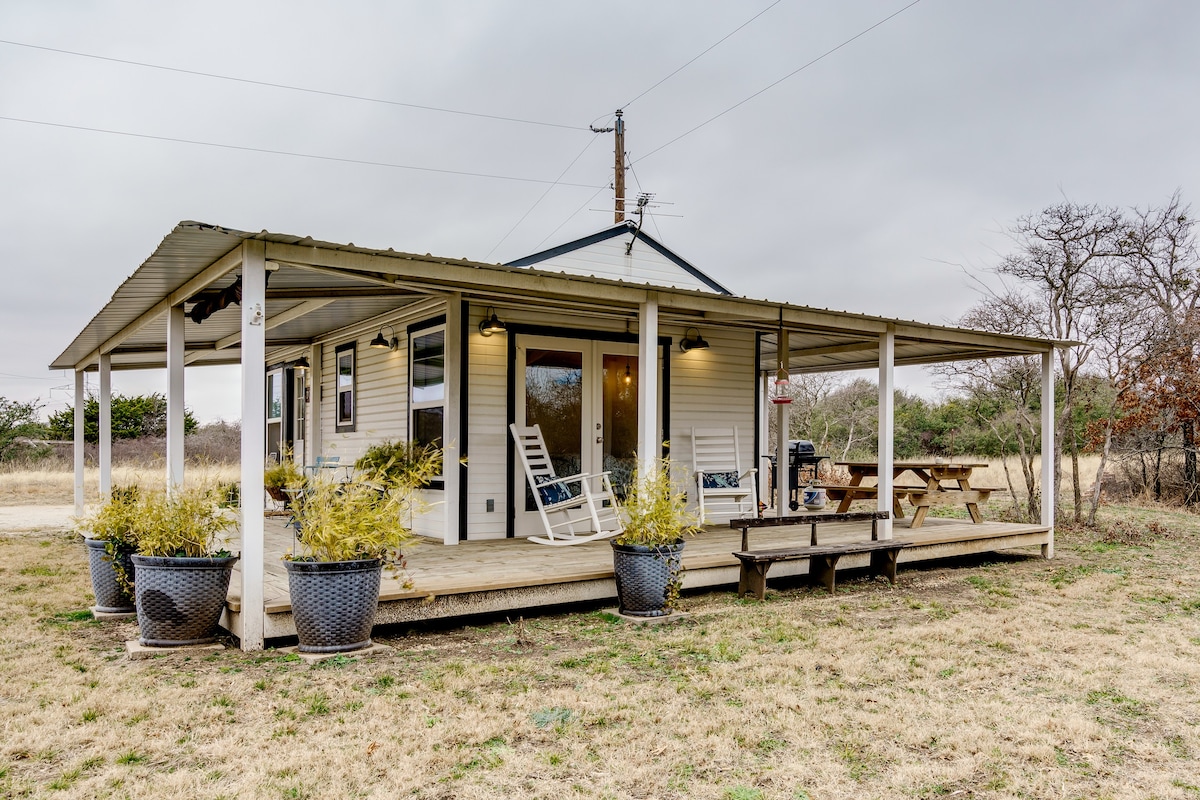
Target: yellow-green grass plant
184,523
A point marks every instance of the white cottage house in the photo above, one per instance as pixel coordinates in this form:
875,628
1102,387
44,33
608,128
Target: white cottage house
342,346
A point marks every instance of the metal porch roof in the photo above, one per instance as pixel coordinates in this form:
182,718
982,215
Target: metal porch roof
344,284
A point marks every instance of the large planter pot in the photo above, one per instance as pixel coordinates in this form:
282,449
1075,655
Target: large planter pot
334,603
111,595
644,575
179,600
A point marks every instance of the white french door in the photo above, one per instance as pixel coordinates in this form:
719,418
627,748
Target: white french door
583,394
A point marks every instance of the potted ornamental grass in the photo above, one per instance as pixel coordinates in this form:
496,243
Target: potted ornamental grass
110,541
281,477
182,565
347,533
647,554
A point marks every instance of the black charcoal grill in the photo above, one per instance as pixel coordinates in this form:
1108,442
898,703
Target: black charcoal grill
802,467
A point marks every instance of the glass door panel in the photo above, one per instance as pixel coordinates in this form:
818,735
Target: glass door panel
619,411
274,412
554,400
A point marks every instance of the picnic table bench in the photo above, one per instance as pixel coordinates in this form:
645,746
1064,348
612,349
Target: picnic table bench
945,484
822,559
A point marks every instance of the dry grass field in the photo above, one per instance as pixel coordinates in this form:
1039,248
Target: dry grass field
1004,677
53,486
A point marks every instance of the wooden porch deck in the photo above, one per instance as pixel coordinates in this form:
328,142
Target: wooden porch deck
505,575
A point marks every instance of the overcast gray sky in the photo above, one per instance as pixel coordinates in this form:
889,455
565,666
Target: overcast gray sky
860,182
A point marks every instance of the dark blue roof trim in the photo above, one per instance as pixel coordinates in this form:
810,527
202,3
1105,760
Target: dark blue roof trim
611,233
578,244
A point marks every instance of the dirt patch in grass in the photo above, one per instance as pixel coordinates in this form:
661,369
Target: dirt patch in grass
993,677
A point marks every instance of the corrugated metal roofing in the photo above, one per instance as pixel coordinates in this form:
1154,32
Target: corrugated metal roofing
841,340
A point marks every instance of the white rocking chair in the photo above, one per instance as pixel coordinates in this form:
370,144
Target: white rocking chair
722,488
576,502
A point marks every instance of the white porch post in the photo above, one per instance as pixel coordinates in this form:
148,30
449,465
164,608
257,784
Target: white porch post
254,386
649,436
887,427
316,444
175,356
452,441
1048,487
783,422
764,439
79,434
105,430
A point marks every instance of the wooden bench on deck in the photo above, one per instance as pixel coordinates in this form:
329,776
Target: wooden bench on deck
822,563
822,559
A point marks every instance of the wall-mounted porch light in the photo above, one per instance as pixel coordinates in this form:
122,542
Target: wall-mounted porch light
690,342
491,324
380,343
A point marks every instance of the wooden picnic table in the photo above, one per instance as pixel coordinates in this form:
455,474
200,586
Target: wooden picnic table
941,483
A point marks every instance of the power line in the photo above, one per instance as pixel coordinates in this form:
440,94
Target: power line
540,199
570,217
269,84
794,72
701,54
312,156
12,376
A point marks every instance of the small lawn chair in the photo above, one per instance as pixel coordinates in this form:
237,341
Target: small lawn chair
574,509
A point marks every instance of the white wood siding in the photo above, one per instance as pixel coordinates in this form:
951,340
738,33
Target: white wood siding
487,430
708,387
380,397
712,388
380,401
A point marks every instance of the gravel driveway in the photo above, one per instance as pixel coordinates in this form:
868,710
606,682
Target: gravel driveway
23,519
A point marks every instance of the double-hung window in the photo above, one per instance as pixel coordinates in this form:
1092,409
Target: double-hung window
427,383
344,368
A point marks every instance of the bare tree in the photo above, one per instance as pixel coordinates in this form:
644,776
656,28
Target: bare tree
1059,283
1164,269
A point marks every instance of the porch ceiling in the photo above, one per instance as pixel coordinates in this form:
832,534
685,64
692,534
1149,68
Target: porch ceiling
319,287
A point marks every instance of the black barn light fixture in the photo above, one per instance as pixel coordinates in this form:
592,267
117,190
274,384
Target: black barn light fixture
690,342
380,343
491,324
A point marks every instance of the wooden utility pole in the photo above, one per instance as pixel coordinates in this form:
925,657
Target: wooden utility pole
619,168
618,164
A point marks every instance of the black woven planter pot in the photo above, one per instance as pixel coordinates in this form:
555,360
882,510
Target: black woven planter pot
334,603
111,596
644,577
179,600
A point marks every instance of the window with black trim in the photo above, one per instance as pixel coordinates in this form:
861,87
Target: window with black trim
427,384
344,369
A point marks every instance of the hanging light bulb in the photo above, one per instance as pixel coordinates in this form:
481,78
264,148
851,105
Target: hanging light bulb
628,376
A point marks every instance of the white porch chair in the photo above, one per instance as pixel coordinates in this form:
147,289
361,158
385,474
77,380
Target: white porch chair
722,488
572,508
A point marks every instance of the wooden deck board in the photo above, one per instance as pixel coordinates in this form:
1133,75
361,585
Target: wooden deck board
515,565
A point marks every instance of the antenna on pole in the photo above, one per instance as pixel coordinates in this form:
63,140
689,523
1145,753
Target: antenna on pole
618,164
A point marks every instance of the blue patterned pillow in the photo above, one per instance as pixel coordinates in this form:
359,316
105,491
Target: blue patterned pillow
552,490
721,480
